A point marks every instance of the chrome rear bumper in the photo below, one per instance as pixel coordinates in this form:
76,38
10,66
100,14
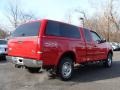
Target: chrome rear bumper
25,61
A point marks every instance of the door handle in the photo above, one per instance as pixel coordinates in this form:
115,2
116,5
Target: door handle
20,42
95,45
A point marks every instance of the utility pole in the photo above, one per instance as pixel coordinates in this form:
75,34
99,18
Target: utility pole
108,29
110,7
82,19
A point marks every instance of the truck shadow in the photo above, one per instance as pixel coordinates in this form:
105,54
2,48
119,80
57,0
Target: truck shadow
96,72
3,61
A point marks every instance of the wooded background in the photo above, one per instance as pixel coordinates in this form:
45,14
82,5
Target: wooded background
106,22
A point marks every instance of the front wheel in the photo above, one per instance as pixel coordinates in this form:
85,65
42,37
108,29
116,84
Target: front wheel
108,61
66,69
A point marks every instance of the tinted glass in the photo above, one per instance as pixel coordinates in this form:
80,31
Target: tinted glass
3,42
63,30
69,31
29,29
53,28
95,36
87,35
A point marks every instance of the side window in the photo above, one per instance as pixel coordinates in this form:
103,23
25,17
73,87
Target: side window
52,28
87,35
60,29
3,42
69,31
95,36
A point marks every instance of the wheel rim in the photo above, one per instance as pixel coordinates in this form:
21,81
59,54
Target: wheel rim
109,60
66,69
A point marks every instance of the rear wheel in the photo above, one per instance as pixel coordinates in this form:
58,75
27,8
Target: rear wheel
66,69
2,57
108,61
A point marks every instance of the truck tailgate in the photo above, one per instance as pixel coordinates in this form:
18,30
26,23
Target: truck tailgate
23,47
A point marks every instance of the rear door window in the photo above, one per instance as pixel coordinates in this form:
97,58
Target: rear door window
29,29
87,35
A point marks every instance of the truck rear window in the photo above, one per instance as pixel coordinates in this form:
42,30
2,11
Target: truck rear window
29,29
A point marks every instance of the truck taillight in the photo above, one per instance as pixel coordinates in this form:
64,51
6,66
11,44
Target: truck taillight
38,41
39,46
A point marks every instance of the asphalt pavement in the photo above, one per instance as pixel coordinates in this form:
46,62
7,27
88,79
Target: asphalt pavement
91,77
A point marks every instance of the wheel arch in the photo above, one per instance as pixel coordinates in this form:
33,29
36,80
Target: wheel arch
70,54
110,51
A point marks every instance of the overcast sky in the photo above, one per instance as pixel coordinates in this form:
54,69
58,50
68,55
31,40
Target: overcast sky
52,9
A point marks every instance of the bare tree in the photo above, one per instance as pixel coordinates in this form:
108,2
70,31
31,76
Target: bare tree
3,34
107,21
13,14
17,16
112,20
25,17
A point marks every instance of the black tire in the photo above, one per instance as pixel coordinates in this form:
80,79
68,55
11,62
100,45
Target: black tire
17,66
33,70
66,64
108,61
3,57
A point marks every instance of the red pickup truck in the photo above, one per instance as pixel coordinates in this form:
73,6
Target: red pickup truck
57,46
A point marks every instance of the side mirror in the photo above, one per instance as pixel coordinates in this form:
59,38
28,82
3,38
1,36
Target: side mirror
101,41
